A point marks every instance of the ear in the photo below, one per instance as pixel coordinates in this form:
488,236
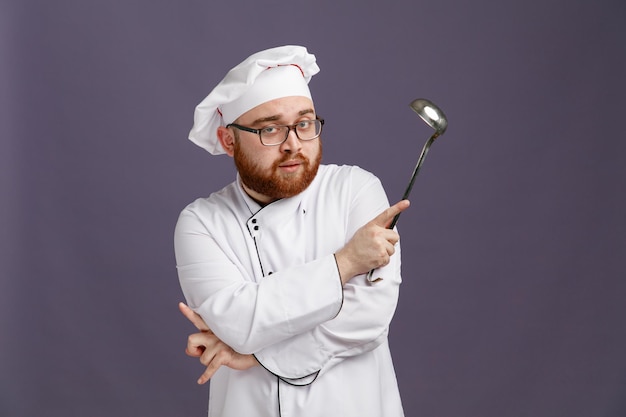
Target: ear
227,140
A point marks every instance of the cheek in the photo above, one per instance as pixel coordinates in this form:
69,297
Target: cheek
313,149
261,157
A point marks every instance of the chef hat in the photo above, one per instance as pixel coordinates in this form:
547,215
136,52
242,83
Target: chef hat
267,75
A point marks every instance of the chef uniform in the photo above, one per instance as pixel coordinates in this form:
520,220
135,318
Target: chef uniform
266,282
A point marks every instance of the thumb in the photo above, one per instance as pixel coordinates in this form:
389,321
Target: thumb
384,219
193,317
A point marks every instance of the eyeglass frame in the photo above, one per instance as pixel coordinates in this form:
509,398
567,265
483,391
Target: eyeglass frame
289,129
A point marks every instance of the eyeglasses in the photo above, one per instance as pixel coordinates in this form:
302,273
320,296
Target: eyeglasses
274,135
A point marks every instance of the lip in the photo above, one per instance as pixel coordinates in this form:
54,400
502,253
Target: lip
291,166
291,163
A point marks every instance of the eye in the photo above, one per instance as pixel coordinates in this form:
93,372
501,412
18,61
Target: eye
269,130
304,124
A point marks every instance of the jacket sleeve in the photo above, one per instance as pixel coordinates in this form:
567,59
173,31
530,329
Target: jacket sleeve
245,314
363,321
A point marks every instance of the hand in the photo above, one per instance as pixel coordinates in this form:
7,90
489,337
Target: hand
371,246
212,352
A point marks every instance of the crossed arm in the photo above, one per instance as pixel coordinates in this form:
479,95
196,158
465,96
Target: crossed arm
210,350
371,247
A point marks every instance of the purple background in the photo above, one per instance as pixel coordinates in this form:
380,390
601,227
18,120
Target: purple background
513,302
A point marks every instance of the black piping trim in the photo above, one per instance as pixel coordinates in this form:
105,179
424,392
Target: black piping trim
285,379
340,284
258,255
278,393
303,385
278,379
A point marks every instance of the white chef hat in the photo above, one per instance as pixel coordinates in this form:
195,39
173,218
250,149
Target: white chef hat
267,75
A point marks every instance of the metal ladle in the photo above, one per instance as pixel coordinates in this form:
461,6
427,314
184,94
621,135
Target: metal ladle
435,118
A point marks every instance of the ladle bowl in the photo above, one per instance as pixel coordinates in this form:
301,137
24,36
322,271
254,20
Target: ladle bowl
431,114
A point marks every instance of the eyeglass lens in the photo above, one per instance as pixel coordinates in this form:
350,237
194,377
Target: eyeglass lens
305,130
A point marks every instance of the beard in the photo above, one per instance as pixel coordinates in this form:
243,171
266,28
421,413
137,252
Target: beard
273,184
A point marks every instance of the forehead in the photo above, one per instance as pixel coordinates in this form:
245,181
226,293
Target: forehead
284,109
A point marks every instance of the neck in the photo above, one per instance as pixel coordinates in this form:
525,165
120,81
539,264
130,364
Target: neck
261,199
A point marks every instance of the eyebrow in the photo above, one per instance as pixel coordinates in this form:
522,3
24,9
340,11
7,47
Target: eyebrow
277,117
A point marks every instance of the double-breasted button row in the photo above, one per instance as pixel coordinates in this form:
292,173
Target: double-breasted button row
255,225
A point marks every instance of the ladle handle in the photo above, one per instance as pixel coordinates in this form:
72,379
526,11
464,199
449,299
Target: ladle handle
420,161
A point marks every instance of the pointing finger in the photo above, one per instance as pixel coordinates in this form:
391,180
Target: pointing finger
193,317
384,219
213,364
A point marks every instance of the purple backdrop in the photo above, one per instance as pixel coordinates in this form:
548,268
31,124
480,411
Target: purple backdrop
514,248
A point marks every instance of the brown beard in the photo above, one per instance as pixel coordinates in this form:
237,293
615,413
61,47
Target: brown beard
274,185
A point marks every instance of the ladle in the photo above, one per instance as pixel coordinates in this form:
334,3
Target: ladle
435,118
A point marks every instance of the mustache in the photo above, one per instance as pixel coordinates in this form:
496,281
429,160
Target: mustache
299,157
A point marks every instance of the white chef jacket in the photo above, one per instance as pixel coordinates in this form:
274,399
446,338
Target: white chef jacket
266,282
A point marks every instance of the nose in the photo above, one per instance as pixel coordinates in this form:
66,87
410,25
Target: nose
292,144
